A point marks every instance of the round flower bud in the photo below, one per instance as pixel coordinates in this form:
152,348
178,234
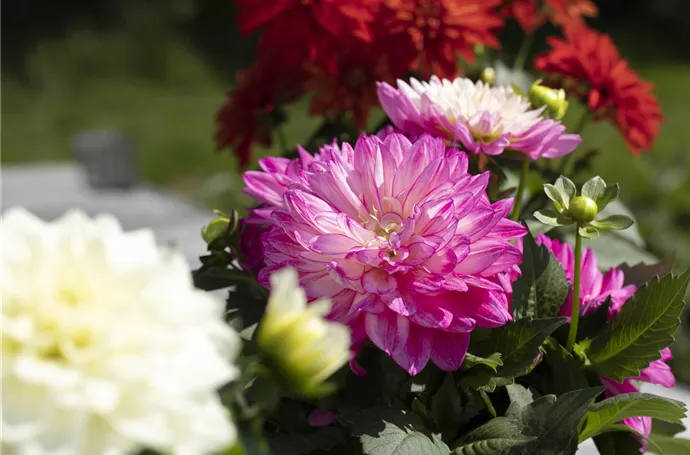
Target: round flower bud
583,209
298,342
215,229
488,76
554,100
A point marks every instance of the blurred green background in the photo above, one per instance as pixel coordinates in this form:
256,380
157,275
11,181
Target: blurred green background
157,70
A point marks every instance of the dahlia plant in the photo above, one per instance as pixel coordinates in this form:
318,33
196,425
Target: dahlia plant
429,285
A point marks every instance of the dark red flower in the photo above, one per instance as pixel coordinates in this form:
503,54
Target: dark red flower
441,29
350,86
531,14
250,110
299,30
587,64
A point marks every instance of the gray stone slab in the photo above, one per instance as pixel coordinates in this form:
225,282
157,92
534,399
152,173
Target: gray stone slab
48,190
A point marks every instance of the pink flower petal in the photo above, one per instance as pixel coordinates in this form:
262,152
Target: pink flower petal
449,349
378,281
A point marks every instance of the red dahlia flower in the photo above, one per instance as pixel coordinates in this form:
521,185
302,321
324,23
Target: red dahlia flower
441,28
531,14
587,64
299,30
350,86
250,111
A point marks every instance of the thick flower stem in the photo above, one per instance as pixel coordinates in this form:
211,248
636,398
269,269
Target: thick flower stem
523,53
517,204
575,317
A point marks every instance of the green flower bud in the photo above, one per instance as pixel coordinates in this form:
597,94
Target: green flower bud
583,209
488,76
215,229
297,340
554,100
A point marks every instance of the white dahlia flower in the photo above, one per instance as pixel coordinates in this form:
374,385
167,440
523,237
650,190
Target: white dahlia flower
107,348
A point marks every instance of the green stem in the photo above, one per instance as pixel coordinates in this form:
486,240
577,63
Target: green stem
282,141
517,203
581,123
523,53
575,317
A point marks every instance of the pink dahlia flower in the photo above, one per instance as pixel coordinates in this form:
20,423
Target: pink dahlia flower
401,238
595,288
483,119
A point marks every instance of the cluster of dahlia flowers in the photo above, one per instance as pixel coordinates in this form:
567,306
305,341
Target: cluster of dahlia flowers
336,51
385,294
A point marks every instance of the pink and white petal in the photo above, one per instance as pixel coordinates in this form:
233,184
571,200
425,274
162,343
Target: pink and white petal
493,312
264,187
482,255
416,352
387,330
441,263
449,349
378,281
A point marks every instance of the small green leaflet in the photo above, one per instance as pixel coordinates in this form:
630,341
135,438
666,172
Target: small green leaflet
542,287
518,343
642,328
601,416
493,438
388,431
553,422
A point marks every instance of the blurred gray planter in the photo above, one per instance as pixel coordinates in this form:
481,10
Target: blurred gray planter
108,158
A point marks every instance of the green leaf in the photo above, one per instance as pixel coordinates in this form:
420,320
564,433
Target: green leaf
640,273
553,422
594,188
555,195
668,445
542,287
594,323
387,431
552,217
303,443
643,326
667,428
519,394
447,407
567,188
493,361
519,344
632,234
613,222
601,415
618,443
493,438
610,194
589,232
565,371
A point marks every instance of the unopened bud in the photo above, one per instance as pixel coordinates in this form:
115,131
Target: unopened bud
215,229
297,340
554,100
583,209
488,76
